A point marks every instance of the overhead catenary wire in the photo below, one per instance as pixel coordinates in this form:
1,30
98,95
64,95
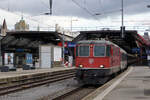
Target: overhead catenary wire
94,15
87,11
109,12
101,6
44,4
84,3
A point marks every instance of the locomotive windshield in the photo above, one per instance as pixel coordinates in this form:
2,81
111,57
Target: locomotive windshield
84,51
99,51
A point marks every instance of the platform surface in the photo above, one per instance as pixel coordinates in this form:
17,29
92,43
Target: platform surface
136,86
21,72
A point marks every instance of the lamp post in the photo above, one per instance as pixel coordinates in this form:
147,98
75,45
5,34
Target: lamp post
61,30
63,50
71,24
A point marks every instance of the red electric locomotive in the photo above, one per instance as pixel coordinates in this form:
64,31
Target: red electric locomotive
97,60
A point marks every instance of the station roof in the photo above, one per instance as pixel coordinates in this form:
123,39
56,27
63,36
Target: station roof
131,39
28,40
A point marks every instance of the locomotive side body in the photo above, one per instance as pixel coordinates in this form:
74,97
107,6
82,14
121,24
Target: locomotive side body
97,60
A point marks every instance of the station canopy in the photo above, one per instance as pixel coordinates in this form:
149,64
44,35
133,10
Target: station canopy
130,41
28,41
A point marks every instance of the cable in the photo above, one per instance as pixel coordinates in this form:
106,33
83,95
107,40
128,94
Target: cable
100,2
45,5
108,12
84,3
85,9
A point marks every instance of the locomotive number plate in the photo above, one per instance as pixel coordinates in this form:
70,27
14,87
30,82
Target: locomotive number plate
91,61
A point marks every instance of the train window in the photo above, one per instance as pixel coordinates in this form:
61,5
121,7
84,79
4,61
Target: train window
114,51
84,51
124,57
117,51
99,50
76,50
108,49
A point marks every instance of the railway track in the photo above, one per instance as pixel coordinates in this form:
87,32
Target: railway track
83,92
76,94
25,82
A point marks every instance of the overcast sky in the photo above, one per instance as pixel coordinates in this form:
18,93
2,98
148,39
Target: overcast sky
70,8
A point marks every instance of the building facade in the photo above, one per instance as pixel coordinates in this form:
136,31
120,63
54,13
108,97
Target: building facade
21,25
3,28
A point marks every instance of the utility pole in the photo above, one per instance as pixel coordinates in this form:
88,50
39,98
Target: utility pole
122,16
50,6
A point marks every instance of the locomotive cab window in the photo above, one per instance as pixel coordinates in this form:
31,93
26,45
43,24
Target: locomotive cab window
99,51
84,51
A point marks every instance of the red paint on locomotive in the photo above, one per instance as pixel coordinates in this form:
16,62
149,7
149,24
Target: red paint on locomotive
98,60
90,61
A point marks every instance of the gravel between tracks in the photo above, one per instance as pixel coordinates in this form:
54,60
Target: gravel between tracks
39,92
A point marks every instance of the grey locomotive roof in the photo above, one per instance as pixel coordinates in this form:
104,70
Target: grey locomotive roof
99,41
95,42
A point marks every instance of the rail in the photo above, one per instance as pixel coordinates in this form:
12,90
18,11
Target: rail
23,82
77,93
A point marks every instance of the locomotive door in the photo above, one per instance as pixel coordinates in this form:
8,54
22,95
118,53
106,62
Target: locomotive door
112,56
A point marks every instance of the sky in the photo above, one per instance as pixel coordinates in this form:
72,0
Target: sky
76,7
136,12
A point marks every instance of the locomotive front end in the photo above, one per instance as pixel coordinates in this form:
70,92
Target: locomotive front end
92,62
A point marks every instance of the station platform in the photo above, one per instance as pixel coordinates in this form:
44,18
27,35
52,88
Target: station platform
134,86
20,72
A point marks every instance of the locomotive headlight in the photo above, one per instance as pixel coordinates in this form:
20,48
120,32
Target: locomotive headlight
101,66
80,66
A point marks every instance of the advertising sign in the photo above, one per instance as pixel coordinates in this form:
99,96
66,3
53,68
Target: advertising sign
8,58
28,58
